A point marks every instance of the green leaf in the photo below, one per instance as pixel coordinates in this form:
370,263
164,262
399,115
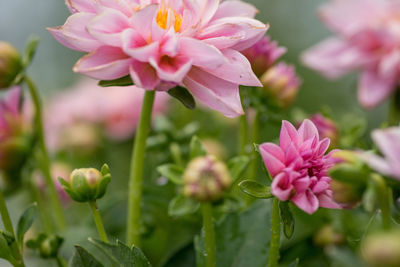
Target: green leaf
255,189
180,206
121,254
82,258
237,166
8,237
123,81
30,50
172,172
5,252
196,148
295,263
184,96
287,219
242,238
25,222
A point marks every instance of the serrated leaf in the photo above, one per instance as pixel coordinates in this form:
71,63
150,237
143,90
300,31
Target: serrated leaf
123,81
180,206
82,258
25,222
255,189
196,148
287,219
184,96
121,254
172,172
30,50
237,166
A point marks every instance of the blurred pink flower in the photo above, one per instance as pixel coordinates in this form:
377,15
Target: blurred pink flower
388,142
299,167
368,34
326,127
263,54
164,43
116,109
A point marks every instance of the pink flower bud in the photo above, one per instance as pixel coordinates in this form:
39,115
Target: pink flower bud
326,128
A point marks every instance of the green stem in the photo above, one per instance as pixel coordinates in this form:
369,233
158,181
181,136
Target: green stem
209,234
394,109
275,235
383,199
243,134
45,165
176,154
5,216
98,221
254,140
44,218
61,262
136,172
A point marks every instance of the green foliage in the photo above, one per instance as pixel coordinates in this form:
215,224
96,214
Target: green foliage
25,222
184,96
123,81
237,166
171,171
196,148
48,246
287,219
255,189
181,205
82,258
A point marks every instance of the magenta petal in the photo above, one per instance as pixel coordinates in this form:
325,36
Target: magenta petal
373,89
216,93
272,156
326,201
323,146
105,63
288,135
202,54
306,201
235,8
281,186
301,184
13,99
291,154
144,75
320,187
307,130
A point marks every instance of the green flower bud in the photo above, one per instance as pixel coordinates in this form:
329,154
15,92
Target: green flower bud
382,249
346,194
87,184
10,64
50,246
327,236
206,178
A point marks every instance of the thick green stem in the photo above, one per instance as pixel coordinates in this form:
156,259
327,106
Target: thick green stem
275,235
383,195
45,164
394,109
136,172
5,216
243,134
209,235
98,221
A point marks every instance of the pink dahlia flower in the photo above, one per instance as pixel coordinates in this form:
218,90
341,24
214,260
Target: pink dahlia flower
368,34
388,142
263,54
115,109
299,167
164,43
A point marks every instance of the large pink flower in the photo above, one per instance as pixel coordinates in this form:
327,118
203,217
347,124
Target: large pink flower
368,34
164,43
299,167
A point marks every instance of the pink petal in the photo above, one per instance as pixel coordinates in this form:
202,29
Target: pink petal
236,69
388,141
281,187
306,201
13,99
373,89
81,6
326,201
323,146
307,130
73,33
273,158
235,8
301,184
105,63
170,44
291,154
135,46
107,27
201,54
320,187
208,10
171,69
141,18
144,75
288,135
216,93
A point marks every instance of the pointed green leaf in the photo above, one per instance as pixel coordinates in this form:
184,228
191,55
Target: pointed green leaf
237,166
171,171
255,189
181,205
25,222
8,237
5,251
123,81
287,219
184,96
30,50
196,148
105,169
82,258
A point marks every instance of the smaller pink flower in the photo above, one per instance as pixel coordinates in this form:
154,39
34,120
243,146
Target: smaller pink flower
326,128
298,166
388,142
263,54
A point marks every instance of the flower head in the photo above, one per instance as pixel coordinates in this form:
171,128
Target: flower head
367,39
299,167
164,43
263,54
10,64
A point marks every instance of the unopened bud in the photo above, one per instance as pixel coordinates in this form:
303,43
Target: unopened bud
206,179
213,147
10,64
87,184
281,83
50,246
382,249
347,195
327,236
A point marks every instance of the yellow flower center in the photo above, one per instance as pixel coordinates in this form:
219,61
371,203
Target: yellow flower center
162,18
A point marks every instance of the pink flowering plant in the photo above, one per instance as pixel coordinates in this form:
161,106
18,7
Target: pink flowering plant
260,162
